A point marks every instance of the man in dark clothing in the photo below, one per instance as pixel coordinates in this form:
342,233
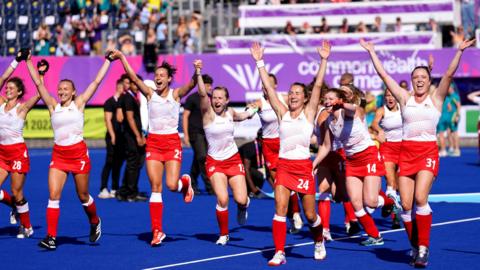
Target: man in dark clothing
114,141
195,136
129,111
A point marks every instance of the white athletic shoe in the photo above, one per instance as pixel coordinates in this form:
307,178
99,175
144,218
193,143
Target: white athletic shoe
297,221
326,235
113,193
104,194
222,240
443,153
278,259
24,232
13,217
320,251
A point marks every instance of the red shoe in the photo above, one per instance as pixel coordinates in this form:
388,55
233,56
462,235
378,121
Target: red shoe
158,237
188,193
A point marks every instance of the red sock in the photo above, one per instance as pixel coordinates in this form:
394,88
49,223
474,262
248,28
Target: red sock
411,229
388,201
369,225
24,214
52,221
91,211
293,205
349,211
156,212
7,199
317,231
222,218
279,231
424,225
324,208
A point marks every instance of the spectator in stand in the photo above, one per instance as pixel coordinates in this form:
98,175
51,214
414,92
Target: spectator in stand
180,32
64,47
96,34
194,30
361,28
345,28
323,28
306,29
41,42
80,38
145,14
468,17
432,25
378,26
398,25
289,29
458,36
126,45
123,20
132,8
162,32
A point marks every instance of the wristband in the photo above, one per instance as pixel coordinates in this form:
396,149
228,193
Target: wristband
251,111
260,63
14,64
107,56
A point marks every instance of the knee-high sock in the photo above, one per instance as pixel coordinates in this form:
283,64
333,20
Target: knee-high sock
5,198
423,216
324,209
23,214
317,230
91,210
222,219
53,213
349,211
279,231
410,227
367,223
156,211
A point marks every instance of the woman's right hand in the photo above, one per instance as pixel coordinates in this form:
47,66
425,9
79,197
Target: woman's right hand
257,51
368,46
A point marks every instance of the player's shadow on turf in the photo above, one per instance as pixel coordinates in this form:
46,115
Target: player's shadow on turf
147,237
462,251
389,255
257,228
66,240
288,252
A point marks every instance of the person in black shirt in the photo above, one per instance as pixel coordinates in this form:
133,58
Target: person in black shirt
250,154
129,111
195,136
114,141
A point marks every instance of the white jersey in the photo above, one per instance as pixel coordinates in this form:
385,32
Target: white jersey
352,133
392,125
336,144
269,119
67,124
163,114
11,126
420,120
219,134
295,137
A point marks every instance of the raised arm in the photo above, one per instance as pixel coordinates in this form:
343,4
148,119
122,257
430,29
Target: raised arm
205,107
442,89
83,98
146,91
42,90
21,55
185,89
400,94
247,114
257,54
312,106
376,124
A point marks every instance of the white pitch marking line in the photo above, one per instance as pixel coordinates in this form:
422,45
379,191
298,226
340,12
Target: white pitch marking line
298,245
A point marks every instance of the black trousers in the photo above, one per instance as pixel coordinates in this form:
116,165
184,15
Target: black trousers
199,146
135,157
113,161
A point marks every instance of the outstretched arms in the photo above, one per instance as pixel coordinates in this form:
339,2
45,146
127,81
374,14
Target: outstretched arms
312,106
400,94
42,90
257,53
205,107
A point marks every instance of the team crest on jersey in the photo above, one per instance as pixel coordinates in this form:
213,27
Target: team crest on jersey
51,163
148,154
25,154
211,169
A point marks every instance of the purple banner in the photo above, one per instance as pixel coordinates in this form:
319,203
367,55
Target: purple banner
239,73
350,9
310,42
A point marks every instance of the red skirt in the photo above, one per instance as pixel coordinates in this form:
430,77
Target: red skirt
296,175
14,158
418,156
71,158
369,162
164,147
390,151
270,149
231,166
